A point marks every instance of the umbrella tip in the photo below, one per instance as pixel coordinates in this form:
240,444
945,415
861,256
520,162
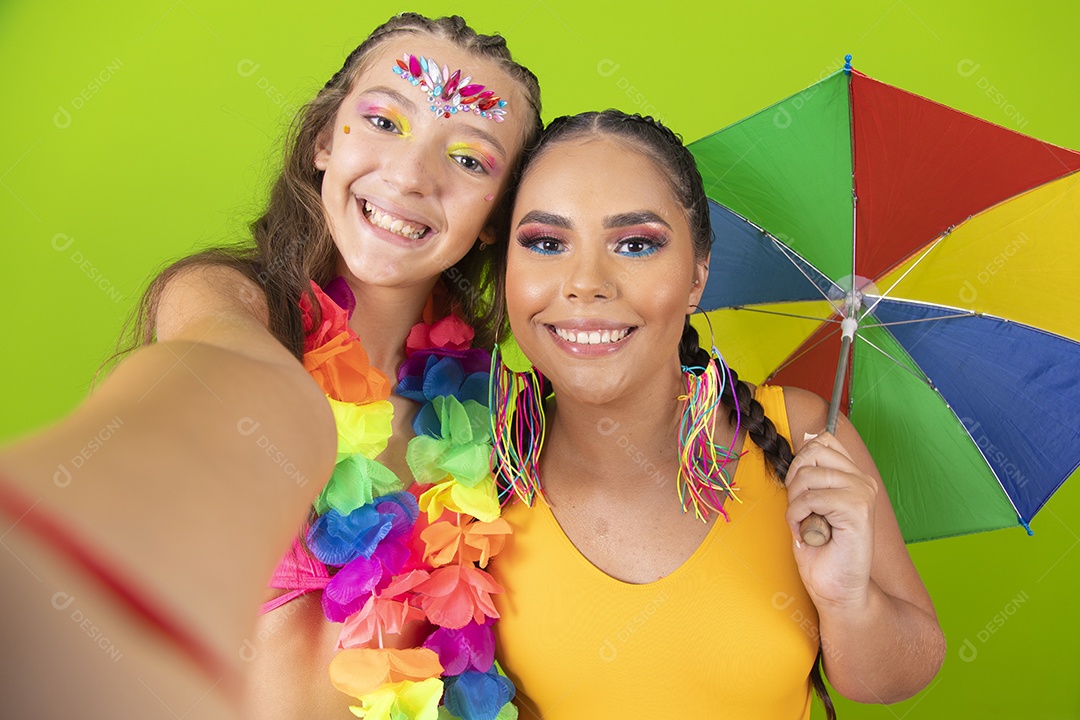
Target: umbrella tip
847,64
1027,527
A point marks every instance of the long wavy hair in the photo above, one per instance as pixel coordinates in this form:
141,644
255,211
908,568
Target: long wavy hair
667,151
290,242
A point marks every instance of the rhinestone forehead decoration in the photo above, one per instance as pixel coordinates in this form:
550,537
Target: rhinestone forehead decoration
448,94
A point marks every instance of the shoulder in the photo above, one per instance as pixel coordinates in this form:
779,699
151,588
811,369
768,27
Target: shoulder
217,305
197,291
806,414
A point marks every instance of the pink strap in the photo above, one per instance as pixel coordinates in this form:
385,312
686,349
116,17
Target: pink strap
299,573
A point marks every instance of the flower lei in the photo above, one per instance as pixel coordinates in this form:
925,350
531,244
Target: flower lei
417,554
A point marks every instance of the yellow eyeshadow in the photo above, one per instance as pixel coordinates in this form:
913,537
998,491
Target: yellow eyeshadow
394,116
476,150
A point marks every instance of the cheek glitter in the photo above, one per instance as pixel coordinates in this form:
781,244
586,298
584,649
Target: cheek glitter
490,197
346,129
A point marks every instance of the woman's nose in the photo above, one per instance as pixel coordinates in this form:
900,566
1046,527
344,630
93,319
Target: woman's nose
591,278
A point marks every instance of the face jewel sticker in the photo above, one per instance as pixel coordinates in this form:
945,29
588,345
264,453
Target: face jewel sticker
448,94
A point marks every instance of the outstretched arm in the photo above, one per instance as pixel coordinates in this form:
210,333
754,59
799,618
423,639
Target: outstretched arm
880,635
216,442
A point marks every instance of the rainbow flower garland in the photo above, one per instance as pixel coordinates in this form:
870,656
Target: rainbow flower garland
397,555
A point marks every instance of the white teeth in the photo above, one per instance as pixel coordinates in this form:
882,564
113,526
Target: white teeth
592,337
395,225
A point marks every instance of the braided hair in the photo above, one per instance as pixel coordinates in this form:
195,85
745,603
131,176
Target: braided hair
665,148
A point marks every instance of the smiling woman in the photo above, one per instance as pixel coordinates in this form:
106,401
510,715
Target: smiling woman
617,598
386,186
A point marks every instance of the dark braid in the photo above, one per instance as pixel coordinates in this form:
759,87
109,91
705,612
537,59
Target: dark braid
751,415
774,446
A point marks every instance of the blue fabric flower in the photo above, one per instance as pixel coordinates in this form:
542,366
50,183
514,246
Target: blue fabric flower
442,376
476,695
337,539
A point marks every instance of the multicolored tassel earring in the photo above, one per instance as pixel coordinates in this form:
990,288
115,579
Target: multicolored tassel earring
704,481
516,402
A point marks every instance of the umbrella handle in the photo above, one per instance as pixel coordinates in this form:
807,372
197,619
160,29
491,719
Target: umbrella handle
815,530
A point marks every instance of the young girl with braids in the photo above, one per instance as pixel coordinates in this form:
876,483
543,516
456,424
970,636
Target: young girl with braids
618,601
159,546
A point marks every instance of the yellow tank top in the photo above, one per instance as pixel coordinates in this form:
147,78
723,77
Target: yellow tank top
729,634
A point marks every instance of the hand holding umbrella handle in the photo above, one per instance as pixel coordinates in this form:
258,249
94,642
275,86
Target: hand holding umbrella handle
815,530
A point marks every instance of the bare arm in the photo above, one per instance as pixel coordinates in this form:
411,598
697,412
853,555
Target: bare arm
193,464
880,635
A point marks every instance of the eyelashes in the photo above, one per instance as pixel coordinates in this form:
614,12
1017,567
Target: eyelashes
633,245
541,242
641,245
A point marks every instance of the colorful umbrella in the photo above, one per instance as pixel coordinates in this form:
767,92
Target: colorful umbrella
947,247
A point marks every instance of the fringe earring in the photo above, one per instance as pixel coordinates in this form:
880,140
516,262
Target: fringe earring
704,480
516,406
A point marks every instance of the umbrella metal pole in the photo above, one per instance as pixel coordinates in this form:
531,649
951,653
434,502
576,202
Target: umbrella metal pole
815,529
847,327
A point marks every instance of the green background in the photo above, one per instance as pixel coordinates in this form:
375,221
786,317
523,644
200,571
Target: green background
137,132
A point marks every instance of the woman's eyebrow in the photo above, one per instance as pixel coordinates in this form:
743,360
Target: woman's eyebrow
546,218
392,95
465,129
481,134
643,217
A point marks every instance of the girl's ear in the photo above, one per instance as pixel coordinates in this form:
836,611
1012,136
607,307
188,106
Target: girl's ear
701,276
323,146
488,236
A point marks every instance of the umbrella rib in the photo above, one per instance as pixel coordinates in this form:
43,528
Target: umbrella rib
913,266
790,254
783,314
920,320
921,378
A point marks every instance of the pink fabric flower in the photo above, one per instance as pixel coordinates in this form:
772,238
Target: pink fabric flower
451,333
380,616
456,594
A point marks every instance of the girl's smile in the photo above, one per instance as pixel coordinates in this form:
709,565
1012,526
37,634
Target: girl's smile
405,190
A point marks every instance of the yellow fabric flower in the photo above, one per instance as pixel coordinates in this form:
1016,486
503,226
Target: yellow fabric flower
363,429
480,501
402,701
